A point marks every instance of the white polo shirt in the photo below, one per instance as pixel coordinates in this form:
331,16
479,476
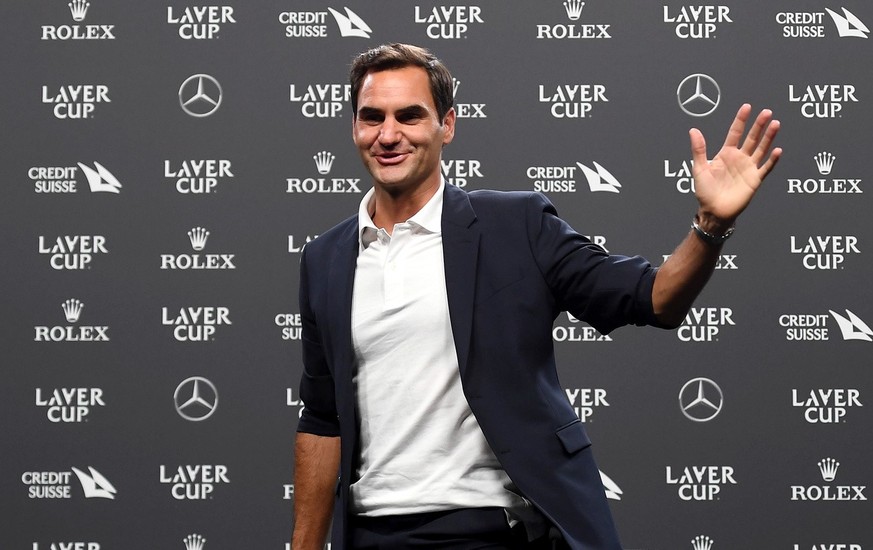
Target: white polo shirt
421,447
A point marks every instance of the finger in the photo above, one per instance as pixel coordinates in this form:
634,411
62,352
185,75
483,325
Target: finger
764,146
738,126
756,131
771,162
698,148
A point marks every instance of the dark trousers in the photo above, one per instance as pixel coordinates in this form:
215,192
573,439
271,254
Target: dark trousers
464,529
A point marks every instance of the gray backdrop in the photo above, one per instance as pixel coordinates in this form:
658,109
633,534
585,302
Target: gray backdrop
781,335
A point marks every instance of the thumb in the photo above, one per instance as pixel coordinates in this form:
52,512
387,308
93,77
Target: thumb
698,147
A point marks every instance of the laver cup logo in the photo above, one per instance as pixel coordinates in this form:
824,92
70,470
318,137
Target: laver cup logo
461,172
448,22
826,405
822,100
321,100
72,252
705,324
68,546
195,324
696,21
200,22
700,482
197,177
193,482
572,100
824,251
75,101
69,404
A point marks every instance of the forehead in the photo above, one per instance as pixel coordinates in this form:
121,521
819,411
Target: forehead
396,88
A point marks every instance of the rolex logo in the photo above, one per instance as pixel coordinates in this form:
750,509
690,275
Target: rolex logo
198,237
323,161
455,84
72,309
701,542
824,161
78,9
194,542
574,9
828,467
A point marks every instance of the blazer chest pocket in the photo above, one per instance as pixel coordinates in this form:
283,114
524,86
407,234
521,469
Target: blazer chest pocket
573,437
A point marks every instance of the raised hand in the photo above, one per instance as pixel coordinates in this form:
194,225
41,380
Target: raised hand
725,186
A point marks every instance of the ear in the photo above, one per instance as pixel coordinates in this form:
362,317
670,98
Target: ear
449,126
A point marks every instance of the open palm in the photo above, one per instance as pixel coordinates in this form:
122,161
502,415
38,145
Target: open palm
726,185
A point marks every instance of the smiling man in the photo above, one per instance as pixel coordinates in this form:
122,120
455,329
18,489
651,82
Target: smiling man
429,382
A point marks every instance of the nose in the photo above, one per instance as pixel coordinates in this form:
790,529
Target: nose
389,132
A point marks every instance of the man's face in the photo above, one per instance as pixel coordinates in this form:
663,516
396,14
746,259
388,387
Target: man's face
397,131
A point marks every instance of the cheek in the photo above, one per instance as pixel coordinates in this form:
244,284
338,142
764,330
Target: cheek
363,136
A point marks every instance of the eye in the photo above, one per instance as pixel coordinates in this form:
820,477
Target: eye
370,117
408,118
411,115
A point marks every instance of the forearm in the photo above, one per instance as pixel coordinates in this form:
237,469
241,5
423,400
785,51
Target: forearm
682,277
316,466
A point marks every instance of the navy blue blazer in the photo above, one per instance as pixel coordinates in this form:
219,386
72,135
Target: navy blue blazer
511,267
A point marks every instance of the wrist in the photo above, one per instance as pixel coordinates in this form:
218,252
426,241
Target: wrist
712,230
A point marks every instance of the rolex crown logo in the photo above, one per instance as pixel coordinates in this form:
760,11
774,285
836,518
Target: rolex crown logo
194,542
323,161
198,237
824,161
72,309
828,467
78,9
455,84
574,9
701,542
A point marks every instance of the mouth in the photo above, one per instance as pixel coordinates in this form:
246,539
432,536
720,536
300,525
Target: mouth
390,158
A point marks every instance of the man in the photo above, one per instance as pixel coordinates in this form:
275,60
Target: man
429,378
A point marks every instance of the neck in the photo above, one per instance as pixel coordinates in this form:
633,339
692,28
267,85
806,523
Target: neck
392,208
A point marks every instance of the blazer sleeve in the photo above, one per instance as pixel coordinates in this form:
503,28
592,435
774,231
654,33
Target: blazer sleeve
606,291
319,415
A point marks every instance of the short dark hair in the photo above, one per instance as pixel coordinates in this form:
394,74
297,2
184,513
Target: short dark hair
398,56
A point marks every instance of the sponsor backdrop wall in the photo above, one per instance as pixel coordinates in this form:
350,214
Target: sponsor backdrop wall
163,164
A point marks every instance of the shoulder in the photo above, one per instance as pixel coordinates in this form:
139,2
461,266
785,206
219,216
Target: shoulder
328,242
485,201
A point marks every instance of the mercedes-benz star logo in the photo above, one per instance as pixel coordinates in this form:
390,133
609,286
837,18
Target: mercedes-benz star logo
698,94
700,399
200,95
196,399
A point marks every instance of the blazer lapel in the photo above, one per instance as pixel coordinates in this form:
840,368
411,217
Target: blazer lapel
460,254
341,279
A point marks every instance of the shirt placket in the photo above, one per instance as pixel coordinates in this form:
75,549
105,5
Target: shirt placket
393,272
